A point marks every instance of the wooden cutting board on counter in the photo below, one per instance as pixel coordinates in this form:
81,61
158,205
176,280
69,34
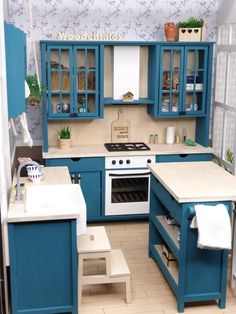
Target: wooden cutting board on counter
120,129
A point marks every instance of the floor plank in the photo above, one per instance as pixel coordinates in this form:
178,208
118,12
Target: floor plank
150,291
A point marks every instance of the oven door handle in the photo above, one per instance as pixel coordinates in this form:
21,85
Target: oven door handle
129,174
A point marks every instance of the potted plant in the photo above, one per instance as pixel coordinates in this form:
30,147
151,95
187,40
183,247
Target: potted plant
35,96
64,137
191,30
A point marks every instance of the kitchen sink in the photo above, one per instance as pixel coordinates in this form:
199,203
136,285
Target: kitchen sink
54,198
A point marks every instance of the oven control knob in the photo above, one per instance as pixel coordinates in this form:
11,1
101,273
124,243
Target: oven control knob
113,162
128,161
149,161
120,162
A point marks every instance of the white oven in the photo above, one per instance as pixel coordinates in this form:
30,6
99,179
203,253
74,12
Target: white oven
127,185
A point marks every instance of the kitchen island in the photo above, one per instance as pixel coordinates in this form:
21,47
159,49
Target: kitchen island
43,250
193,274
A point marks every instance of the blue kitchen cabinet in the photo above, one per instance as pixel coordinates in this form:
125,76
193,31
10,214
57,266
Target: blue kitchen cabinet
89,173
193,274
43,267
184,80
15,49
183,157
183,84
70,75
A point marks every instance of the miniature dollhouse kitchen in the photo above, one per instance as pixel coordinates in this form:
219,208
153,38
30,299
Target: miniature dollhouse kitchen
125,209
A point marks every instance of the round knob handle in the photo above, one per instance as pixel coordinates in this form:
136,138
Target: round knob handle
113,162
149,161
120,162
128,161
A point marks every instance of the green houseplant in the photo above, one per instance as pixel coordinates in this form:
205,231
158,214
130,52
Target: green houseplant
191,23
64,137
35,96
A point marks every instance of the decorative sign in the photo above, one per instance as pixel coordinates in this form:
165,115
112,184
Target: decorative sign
85,36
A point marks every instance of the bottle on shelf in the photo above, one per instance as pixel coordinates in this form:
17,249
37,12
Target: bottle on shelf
151,136
155,141
177,137
184,135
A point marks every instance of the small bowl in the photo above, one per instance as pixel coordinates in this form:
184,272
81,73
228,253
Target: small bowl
34,174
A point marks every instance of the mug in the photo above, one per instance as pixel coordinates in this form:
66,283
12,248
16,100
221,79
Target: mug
65,107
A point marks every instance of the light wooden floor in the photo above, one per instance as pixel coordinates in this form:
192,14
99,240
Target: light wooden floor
150,291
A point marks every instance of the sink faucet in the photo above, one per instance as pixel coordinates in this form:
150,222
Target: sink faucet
19,196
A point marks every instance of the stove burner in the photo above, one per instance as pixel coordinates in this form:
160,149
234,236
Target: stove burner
122,147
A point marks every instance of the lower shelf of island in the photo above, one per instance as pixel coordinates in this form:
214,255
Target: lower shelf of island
170,233
170,272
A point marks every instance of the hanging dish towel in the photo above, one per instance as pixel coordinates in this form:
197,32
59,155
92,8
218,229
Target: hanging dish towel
25,131
214,227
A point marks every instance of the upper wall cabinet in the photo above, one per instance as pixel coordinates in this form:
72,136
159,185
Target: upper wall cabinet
183,80
70,75
15,47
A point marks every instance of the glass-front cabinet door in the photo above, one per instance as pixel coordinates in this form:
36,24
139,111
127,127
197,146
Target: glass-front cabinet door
86,81
195,79
59,81
183,80
171,73
72,82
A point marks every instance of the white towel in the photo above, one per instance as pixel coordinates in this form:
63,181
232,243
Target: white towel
214,227
25,131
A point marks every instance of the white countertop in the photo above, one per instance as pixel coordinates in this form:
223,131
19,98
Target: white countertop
196,181
53,176
101,151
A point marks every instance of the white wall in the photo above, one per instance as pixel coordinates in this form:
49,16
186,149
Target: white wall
226,12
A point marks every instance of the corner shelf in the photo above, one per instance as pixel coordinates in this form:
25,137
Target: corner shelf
111,101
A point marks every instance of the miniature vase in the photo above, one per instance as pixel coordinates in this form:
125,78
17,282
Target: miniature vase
170,31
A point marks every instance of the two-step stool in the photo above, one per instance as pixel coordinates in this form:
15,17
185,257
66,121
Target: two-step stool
95,245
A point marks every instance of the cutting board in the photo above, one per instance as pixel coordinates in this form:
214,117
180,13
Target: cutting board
120,129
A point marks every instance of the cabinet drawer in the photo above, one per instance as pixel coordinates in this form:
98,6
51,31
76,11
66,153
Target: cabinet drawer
183,157
172,206
78,164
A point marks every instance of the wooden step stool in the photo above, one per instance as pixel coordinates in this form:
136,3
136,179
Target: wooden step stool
95,245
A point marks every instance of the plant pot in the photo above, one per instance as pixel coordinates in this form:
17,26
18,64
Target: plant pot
32,100
192,34
64,143
170,31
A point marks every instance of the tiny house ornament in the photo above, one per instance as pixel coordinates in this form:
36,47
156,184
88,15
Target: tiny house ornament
170,31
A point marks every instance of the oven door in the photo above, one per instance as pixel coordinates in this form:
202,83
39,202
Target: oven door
127,192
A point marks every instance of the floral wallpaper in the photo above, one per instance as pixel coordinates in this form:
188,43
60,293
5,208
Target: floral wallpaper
107,19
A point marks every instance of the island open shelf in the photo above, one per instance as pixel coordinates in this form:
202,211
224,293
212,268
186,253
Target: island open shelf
198,274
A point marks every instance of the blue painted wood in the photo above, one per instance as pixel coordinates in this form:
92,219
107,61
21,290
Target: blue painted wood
73,93
171,50
202,273
203,124
44,97
43,267
101,78
15,48
202,53
79,164
153,74
125,43
91,187
183,157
